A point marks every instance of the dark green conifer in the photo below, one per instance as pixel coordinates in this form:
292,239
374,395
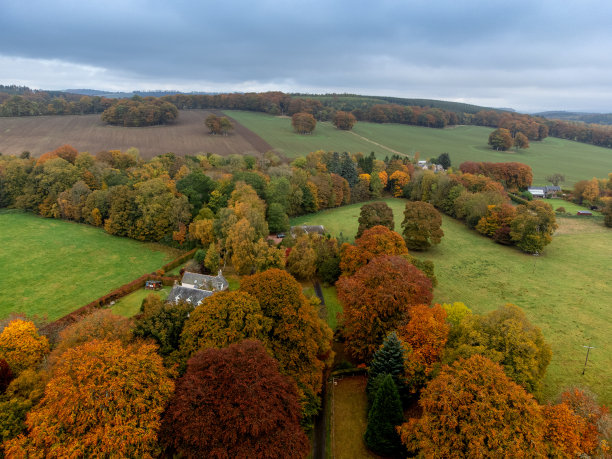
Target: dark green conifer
389,359
385,414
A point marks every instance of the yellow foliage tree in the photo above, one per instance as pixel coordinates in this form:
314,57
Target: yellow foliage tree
202,231
21,345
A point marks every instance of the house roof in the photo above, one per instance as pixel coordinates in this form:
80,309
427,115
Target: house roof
205,282
308,229
193,296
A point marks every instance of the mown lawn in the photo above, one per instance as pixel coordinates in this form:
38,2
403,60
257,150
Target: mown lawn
52,267
342,221
565,291
349,418
129,305
578,161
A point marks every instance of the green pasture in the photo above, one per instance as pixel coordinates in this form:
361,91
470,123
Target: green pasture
565,291
52,267
578,161
277,131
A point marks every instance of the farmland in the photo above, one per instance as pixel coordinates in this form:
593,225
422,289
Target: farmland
188,135
565,291
52,267
578,161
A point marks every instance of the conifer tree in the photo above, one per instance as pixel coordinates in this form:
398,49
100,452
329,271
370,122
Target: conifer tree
389,359
385,414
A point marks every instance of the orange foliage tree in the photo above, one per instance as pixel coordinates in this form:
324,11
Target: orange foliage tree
472,409
299,339
375,241
567,434
426,333
103,400
21,345
234,403
376,299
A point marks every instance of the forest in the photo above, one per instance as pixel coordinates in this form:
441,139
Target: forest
267,334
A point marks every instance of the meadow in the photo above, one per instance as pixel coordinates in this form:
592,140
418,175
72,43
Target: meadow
578,161
186,136
52,267
565,291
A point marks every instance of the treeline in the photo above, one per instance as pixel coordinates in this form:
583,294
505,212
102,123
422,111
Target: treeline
484,205
138,111
21,101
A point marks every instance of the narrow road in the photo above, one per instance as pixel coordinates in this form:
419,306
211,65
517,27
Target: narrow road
379,144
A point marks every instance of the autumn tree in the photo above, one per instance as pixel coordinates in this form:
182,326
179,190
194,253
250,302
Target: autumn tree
21,346
506,337
533,226
300,340
303,123
501,139
373,214
301,262
497,223
385,415
567,434
117,395
376,299
397,181
472,409
6,375
212,415
226,318
607,212
202,231
421,226
521,141
425,336
344,120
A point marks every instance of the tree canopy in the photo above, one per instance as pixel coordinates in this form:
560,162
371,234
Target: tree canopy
421,226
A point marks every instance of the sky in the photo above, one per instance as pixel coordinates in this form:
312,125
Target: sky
527,55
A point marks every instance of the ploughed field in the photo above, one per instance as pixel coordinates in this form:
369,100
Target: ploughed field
186,136
578,161
52,267
565,291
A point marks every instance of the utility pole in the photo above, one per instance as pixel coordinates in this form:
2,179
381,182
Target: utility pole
587,357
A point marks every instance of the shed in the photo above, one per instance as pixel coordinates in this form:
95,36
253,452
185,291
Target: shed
584,213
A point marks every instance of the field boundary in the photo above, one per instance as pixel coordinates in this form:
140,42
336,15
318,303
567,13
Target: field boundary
52,329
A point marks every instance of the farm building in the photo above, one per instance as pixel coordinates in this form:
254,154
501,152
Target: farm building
195,288
544,192
584,213
308,229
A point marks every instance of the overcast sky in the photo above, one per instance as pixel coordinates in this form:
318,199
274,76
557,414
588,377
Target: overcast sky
529,55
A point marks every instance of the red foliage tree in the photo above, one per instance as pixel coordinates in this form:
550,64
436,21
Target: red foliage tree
377,298
234,403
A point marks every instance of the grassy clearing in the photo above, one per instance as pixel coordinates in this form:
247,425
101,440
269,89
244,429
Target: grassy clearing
566,291
578,161
52,267
129,305
349,419
277,131
332,305
342,221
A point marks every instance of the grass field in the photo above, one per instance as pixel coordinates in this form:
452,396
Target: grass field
129,305
52,267
188,135
342,221
349,420
277,131
566,291
578,161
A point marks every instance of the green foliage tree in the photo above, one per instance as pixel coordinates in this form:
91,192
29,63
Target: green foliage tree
373,214
506,337
421,226
444,160
555,178
301,262
278,221
533,226
389,359
385,415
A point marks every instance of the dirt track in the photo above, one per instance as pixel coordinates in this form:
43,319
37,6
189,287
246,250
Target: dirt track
188,135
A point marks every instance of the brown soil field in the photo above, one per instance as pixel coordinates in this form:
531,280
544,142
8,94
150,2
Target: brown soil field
188,135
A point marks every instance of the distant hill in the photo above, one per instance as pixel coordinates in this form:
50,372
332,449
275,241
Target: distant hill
122,95
349,102
589,118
